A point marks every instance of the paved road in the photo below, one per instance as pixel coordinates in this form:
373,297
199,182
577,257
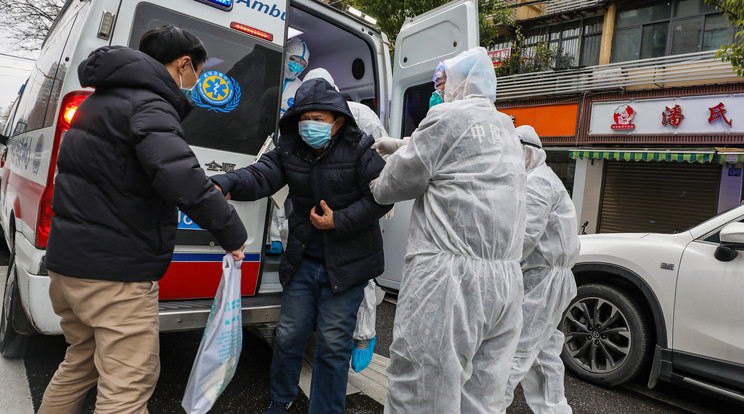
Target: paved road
22,382
248,393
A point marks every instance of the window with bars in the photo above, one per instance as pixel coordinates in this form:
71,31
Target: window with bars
574,43
663,28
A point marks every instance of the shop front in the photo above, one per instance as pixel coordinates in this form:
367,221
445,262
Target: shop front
659,164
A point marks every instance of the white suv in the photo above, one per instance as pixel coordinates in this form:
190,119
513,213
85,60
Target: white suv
674,300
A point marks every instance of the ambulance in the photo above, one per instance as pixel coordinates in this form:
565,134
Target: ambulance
237,108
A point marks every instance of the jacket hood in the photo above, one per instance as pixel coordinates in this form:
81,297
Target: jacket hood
120,66
318,95
470,74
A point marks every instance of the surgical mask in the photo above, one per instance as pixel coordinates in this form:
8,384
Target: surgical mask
295,67
436,98
316,134
188,91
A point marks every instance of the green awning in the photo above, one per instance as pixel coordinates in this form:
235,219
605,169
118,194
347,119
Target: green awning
730,158
645,155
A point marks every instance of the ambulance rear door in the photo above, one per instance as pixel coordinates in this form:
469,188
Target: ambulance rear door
236,108
422,43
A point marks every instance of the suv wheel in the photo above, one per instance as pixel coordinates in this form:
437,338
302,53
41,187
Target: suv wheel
607,338
12,344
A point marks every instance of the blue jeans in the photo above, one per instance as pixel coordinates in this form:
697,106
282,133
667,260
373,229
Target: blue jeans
308,302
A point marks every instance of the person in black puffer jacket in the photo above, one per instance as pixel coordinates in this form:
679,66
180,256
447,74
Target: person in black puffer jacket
334,245
123,168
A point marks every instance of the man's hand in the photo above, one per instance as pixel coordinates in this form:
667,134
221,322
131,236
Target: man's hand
324,222
238,255
227,197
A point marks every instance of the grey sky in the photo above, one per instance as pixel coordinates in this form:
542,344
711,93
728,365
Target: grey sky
13,72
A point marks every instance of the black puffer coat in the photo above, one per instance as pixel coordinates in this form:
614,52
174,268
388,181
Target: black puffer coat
123,168
340,175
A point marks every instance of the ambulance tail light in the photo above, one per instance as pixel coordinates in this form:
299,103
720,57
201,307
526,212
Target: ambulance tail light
251,31
70,104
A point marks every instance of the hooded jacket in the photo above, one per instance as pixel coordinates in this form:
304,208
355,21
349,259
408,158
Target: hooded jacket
123,168
340,175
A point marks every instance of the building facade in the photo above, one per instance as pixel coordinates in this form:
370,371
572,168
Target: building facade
641,122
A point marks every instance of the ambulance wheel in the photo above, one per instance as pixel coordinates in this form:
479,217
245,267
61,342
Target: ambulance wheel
12,343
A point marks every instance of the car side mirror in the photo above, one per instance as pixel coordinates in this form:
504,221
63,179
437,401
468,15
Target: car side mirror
732,240
3,139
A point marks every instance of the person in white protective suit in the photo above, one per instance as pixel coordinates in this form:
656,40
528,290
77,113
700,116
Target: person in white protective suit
551,246
387,145
297,60
459,309
298,57
365,335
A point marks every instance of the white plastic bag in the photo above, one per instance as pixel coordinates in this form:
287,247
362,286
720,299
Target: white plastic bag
220,346
366,315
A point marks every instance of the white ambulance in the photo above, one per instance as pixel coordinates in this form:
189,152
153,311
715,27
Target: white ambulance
244,40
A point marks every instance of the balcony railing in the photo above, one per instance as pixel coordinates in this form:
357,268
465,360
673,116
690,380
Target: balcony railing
561,6
665,72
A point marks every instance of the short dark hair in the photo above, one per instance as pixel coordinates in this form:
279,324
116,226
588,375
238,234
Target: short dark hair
167,43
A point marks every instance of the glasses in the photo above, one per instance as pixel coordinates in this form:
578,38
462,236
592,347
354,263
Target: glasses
298,60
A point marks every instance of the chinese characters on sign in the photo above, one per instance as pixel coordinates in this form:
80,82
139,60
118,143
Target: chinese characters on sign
698,115
225,166
718,112
672,116
499,56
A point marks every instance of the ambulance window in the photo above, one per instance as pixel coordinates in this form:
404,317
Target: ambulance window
43,86
8,128
248,72
416,105
62,68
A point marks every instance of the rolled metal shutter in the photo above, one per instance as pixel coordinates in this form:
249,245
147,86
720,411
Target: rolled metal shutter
658,197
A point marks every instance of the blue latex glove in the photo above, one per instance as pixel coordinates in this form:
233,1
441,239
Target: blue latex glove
275,249
360,358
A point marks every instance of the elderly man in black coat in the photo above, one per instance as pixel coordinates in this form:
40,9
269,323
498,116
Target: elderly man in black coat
335,243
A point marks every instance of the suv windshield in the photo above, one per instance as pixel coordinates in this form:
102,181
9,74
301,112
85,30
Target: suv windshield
237,96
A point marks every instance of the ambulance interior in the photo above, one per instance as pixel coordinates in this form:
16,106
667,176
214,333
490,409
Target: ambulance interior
340,51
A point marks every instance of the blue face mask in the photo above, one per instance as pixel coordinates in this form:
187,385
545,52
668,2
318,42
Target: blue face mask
436,98
316,134
295,67
188,92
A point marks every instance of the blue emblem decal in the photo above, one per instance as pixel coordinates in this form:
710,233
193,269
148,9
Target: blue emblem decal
290,102
37,153
216,92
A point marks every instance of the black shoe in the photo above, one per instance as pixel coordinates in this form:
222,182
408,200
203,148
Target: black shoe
278,408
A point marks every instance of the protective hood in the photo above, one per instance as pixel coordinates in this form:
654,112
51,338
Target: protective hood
120,66
318,95
534,155
320,73
528,135
366,119
470,74
295,47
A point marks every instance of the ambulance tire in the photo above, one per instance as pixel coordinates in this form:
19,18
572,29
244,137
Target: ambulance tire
12,343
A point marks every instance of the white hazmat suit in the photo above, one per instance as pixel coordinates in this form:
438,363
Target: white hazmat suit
459,307
551,246
296,52
368,121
